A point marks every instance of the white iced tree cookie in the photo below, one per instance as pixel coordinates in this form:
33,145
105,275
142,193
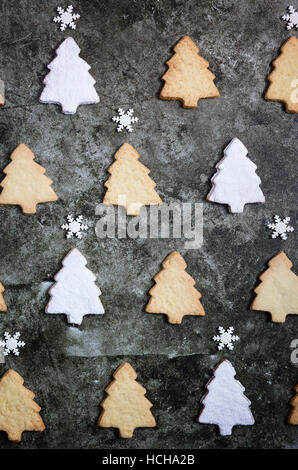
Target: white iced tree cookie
225,403
69,83
235,183
75,293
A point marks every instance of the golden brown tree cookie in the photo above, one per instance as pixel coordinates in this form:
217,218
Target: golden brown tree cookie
278,291
188,78
293,416
25,184
3,307
18,410
130,184
2,93
126,407
284,78
174,293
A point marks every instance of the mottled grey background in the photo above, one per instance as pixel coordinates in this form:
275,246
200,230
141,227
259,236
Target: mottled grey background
127,44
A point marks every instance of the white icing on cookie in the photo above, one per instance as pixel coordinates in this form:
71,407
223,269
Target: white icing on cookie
69,83
225,403
235,183
74,292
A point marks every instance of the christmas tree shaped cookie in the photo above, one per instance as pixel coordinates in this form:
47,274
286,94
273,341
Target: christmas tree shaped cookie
2,93
225,403
278,291
69,83
126,407
188,78
3,307
174,293
74,292
130,184
235,183
18,410
293,416
284,78
25,184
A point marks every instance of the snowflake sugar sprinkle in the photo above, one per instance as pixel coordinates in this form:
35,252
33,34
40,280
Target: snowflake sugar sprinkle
66,18
225,338
11,344
280,227
125,120
291,18
74,227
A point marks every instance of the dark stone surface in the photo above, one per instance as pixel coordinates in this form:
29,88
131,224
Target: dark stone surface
127,44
